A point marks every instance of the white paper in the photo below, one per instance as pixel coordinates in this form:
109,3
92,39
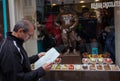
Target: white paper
49,56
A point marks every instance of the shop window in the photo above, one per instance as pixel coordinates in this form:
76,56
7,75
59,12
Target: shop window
93,36
92,29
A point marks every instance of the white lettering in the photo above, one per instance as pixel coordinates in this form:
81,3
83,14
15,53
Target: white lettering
105,5
96,5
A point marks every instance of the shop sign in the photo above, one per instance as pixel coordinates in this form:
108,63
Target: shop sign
105,4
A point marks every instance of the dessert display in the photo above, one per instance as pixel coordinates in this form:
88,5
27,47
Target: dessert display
92,67
53,66
106,55
77,67
107,67
58,60
85,55
114,67
95,56
85,66
99,67
64,67
108,60
90,62
71,66
101,55
89,55
85,60
100,60
93,60
58,67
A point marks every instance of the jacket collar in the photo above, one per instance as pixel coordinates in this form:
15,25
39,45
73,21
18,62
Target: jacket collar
11,37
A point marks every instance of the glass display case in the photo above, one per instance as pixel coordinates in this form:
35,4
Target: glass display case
95,40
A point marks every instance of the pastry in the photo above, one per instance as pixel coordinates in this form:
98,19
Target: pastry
92,67
58,67
77,67
114,68
71,67
99,67
64,67
107,67
93,60
85,60
85,67
100,60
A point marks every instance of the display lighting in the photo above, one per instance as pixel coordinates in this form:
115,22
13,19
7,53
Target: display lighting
97,0
54,4
83,6
82,1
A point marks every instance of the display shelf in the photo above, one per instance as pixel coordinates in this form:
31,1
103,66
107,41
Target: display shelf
85,67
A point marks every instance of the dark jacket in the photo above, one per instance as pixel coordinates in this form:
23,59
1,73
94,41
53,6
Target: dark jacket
14,62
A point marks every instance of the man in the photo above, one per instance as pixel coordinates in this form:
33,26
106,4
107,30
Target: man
68,21
14,62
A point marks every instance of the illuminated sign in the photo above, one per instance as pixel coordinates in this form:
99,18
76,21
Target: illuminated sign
105,4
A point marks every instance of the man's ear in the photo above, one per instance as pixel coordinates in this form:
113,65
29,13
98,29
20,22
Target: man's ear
20,30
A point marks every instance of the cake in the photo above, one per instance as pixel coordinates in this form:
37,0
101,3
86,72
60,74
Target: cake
71,67
85,60
99,67
93,60
107,67
114,68
92,67
85,67
58,67
108,60
100,60
64,67
77,67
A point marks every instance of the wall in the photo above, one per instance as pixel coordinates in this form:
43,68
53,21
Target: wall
20,9
117,36
29,12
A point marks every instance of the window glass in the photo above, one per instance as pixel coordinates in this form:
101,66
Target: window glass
87,26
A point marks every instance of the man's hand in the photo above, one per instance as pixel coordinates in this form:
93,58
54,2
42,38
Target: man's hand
47,66
41,54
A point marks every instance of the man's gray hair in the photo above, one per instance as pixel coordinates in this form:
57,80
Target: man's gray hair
24,24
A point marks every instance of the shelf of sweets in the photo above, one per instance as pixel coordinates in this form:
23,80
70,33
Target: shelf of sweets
97,60
87,55
85,67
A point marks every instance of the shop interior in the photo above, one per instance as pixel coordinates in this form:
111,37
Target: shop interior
90,49
94,32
